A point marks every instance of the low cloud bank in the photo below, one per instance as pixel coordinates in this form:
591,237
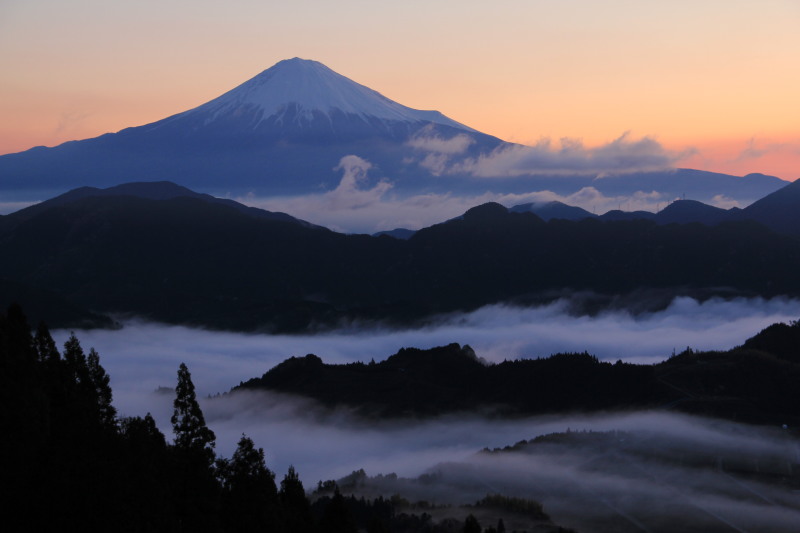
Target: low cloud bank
567,157
658,463
360,204
653,472
571,157
144,356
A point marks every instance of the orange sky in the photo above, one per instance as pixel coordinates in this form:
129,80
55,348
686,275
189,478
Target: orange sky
717,79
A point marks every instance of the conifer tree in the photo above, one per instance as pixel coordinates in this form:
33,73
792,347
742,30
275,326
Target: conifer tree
249,497
337,518
75,361
188,422
196,486
100,381
471,525
45,346
295,504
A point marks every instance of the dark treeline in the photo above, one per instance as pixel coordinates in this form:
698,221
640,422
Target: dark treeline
70,464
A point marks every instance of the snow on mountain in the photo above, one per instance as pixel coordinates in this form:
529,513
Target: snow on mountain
311,87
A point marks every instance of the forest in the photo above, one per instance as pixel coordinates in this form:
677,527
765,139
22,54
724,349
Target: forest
70,463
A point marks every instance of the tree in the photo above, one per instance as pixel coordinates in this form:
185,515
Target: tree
295,505
75,360
45,346
103,395
336,518
471,525
188,422
249,495
196,486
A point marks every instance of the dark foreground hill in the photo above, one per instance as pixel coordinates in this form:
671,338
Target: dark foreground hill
755,383
187,259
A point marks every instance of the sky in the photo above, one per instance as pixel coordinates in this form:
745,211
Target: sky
715,80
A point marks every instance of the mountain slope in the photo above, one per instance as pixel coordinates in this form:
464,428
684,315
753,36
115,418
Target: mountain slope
779,211
548,210
311,89
157,190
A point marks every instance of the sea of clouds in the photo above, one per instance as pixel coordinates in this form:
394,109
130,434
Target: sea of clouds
142,357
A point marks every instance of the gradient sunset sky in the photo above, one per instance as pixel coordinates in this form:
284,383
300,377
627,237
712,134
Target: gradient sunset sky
716,79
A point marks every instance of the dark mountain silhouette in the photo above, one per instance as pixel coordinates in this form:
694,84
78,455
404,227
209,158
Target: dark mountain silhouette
397,233
617,214
154,190
755,382
548,210
688,211
190,260
779,211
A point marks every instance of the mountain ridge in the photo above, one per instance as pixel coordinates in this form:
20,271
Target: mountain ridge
191,261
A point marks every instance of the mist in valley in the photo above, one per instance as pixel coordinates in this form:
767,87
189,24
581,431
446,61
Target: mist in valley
623,486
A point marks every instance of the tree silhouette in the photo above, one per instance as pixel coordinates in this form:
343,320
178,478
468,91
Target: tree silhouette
295,505
100,381
249,494
188,422
336,518
197,489
471,525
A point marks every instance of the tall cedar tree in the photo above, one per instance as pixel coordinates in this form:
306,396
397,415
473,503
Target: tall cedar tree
197,490
188,422
100,381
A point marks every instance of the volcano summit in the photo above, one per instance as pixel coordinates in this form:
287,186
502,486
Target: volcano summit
281,132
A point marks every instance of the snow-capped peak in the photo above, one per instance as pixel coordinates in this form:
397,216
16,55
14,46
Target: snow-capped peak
313,87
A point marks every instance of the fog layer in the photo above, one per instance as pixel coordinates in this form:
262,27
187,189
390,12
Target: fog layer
141,357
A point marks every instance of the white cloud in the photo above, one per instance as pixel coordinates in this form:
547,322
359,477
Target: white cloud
379,211
12,207
571,157
348,194
427,141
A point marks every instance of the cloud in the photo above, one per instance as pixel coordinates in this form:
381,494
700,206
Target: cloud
571,157
590,484
68,121
428,141
756,149
750,152
379,211
144,356
348,194
12,207
439,151
723,202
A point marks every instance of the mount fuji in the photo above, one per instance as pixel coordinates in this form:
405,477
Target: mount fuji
285,132
281,132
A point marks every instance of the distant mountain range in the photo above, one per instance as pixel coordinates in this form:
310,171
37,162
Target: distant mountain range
285,131
779,211
166,253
